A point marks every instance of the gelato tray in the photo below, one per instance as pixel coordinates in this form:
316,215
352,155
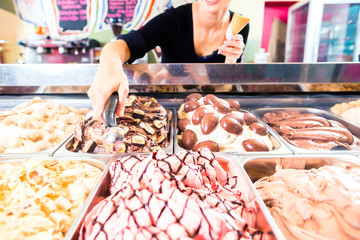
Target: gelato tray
310,197
146,126
173,196
306,130
38,126
168,143
222,126
42,196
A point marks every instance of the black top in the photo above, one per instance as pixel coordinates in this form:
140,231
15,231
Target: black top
173,32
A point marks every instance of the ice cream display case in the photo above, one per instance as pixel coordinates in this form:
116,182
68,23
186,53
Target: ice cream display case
215,128
332,36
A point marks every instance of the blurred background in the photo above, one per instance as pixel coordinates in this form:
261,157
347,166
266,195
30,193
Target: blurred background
74,31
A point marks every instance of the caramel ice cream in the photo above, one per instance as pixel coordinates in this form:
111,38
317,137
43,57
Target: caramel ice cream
39,199
314,204
220,125
349,111
176,196
37,125
312,132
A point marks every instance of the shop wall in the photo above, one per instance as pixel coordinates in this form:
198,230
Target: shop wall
255,11
7,5
12,29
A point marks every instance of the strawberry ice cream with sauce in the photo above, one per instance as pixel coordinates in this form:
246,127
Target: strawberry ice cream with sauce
220,125
178,196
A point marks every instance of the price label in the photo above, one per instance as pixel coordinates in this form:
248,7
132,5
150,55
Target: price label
72,14
121,9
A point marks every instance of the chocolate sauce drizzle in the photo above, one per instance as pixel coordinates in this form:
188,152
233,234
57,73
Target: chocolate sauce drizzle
175,205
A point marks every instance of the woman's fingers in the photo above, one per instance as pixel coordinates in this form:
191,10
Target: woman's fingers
233,48
123,92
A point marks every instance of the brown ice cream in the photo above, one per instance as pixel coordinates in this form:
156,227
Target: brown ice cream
176,196
314,204
309,131
146,124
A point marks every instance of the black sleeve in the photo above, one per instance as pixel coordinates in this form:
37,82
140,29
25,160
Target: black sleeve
156,32
245,33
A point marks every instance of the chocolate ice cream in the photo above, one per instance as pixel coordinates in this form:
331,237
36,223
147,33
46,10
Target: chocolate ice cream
146,124
312,132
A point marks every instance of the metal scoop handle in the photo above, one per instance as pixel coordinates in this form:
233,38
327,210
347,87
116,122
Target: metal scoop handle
110,109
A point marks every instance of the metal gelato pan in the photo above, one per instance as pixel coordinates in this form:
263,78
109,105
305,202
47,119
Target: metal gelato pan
32,136
354,129
44,193
291,184
67,147
263,219
278,146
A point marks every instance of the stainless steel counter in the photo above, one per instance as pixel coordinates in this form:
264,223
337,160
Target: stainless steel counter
178,78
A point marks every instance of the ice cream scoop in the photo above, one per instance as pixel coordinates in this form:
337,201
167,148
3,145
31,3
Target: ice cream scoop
114,136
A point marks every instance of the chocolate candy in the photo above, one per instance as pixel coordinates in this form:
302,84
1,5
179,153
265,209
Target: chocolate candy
193,97
234,104
258,128
254,145
191,106
138,140
138,113
237,116
250,118
182,124
210,99
188,139
231,125
209,123
211,145
158,123
147,128
222,107
199,115
160,139
130,100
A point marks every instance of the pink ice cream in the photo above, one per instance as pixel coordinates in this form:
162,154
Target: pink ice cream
314,204
179,196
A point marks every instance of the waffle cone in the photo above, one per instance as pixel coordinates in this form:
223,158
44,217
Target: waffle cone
238,22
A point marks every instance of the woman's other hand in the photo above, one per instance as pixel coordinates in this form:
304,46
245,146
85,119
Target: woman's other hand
232,49
109,78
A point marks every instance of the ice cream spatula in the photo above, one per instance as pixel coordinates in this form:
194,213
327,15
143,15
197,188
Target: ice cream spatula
114,135
339,148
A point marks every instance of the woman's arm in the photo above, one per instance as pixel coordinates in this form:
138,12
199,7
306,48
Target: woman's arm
110,77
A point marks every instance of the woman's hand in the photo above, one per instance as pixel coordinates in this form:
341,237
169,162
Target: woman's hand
109,78
232,49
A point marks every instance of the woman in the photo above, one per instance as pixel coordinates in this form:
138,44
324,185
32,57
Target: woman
187,34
